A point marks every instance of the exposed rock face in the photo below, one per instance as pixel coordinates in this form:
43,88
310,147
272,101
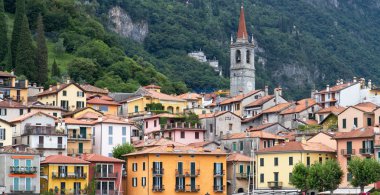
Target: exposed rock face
122,24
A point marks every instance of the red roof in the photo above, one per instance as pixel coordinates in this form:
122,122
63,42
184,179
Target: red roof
337,88
99,101
242,30
61,159
263,126
332,109
11,104
277,108
252,134
297,147
357,133
260,101
300,106
30,114
93,89
72,121
239,97
236,157
152,87
100,158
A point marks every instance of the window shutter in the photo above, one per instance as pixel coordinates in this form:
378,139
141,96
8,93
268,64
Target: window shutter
4,134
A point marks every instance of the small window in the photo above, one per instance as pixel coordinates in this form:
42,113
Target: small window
369,122
182,134
21,111
134,167
238,56
320,159
146,124
196,135
356,122
290,176
230,126
55,114
155,123
241,145
143,181
291,160
234,146
248,56
308,161
143,166
275,161
134,182
211,128
344,125
262,178
261,162
64,93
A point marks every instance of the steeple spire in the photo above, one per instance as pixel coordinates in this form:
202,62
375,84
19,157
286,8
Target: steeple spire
242,30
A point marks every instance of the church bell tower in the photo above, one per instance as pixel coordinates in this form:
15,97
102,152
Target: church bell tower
242,69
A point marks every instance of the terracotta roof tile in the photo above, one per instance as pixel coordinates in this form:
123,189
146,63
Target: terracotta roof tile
246,120
152,87
89,115
239,97
190,96
15,149
93,89
70,114
61,159
357,133
236,157
99,158
366,107
260,101
211,115
337,88
262,126
55,89
72,121
252,134
163,96
153,143
177,150
308,121
297,147
202,144
11,104
332,109
99,101
30,114
300,106
277,108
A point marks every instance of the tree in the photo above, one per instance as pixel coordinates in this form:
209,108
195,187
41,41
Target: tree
25,58
17,26
326,176
83,69
42,53
299,174
364,172
55,72
59,47
3,33
119,150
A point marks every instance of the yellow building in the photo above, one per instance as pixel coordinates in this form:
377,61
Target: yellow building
275,164
17,90
88,113
79,139
168,170
64,174
69,96
5,133
105,104
144,97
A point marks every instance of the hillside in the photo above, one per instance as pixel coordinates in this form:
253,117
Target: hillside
301,44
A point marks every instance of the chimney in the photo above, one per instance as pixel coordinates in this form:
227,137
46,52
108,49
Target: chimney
68,81
58,85
169,148
369,84
312,95
327,87
338,82
354,80
303,139
12,72
50,88
266,90
341,81
307,103
100,119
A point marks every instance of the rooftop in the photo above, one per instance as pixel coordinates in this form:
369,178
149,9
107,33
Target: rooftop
62,159
154,142
337,88
332,109
263,126
252,134
300,106
99,158
297,147
18,149
260,101
171,149
93,89
56,89
277,108
100,101
11,104
366,132
30,114
239,97
190,96
236,157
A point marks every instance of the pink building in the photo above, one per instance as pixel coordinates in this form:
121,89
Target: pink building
106,171
360,143
184,133
153,124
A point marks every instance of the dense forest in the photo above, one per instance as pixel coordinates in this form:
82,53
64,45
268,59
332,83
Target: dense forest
301,44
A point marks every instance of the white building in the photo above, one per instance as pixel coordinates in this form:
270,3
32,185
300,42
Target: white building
38,130
109,132
10,109
201,57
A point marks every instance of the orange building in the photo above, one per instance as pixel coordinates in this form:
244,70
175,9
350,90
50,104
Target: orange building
170,169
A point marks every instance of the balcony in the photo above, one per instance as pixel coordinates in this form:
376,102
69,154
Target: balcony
346,152
274,184
58,147
158,188
69,175
241,175
157,172
178,125
219,173
23,170
23,189
366,151
79,137
106,175
41,130
187,188
187,173
219,188
105,192
78,152
136,114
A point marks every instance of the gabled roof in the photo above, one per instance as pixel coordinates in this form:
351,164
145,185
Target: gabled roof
100,158
55,89
112,120
30,114
62,159
236,157
72,113
216,114
260,101
252,134
154,142
40,105
72,121
190,96
300,106
6,74
239,97
11,104
162,96
264,126
297,147
170,149
277,108
89,115
332,109
99,101
337,88
93,89
203,144
19,149
366,107
246,120
366,132
308,121
152,86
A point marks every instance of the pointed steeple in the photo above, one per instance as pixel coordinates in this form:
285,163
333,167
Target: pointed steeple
242,30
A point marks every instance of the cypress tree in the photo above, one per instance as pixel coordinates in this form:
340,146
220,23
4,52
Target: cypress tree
17,25
3,33
25,59
42,53
55,72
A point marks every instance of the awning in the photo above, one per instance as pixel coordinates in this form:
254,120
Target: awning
348,191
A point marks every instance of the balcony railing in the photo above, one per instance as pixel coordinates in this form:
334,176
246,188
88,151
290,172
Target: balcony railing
69,175
157,172
274,184
158,188
42,130
135,114
366,151
77,151
346,152
188,173
192,188
79,137
219,188
58,146
219,173
23,188
106,192
23,170
106,175
241,175
181,126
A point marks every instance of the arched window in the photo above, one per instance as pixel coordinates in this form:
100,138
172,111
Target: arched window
248,56
240,190
238,56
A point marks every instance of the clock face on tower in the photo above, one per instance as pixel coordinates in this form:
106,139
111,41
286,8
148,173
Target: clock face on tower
249,86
